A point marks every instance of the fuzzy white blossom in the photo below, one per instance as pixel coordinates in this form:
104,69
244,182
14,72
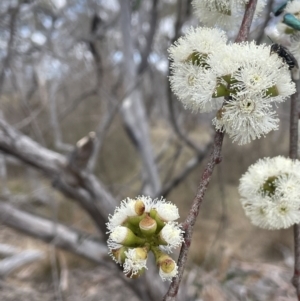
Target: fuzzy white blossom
250,77
199,40
195,87
227,14
293,7
119,234
135,261
191,79
166,211
270,193
246,117
172,234
226,61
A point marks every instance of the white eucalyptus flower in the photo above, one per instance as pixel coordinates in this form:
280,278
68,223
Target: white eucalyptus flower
293,7
166,211
258,211
225,62
136,260
246,117
200,40
172,234
270,192
227,14
119,234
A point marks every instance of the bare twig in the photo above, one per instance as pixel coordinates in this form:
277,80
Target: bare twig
82,187
3,176
293,154
42,228
8,250
133,109
189,167
70,108
146,51
12,28
215,158
188,225
12,263
246,23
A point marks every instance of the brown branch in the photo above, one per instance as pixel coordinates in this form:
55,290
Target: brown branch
293,154
246,23
215,158
188,225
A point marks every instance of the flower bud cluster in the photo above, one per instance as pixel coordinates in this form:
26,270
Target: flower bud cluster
142,225
270,192
205,69
226,14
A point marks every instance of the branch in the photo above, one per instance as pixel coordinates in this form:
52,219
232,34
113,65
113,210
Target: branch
215,158
48,231
12,28
293,155
188,225
11,264
145,53
79,185
8,250
70,108
246,23
189,167
133,109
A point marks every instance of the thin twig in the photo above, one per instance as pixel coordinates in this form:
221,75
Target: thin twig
12,28
246,23
188,225
215,158
293,155
189,167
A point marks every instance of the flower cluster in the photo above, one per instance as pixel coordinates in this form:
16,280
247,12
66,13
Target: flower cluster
270,193
141,225
205,70
226,14
284,29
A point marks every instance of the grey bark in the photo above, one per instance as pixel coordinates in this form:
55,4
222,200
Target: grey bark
81,186
133,110
11,264
63,237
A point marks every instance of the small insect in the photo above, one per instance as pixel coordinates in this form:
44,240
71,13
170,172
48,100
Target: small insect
285,54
